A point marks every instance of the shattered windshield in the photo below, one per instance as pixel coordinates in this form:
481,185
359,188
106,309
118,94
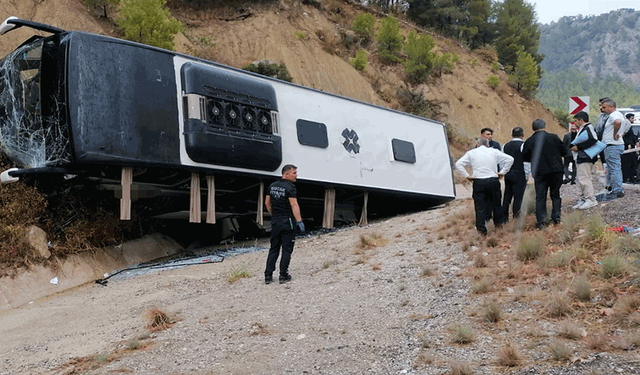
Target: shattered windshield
24,137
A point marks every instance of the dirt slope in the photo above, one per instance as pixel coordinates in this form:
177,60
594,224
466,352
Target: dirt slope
303,37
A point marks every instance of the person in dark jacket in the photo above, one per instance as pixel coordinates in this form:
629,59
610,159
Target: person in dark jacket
488,134
629,160
282,203
584,162
545,152
515,181
569,172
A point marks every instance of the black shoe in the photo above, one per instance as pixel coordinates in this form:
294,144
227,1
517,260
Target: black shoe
285,278
541,226
620,194
573,182
268,279
566,181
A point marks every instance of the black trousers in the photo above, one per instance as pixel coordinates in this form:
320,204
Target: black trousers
514,188
570,175
487,201
282,235
550,182
629,166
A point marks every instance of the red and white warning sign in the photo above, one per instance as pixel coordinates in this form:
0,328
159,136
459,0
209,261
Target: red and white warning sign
578,104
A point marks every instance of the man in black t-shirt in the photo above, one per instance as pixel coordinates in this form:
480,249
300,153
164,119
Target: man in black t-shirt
282,204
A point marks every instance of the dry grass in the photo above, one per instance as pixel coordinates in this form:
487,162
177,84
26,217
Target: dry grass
558,305
625,310
560,351
462,334
238,272
480,261
613,265
329,263
158,320
485,285
461,368
508,356
427,272
530,246
370,241
570,330
491,312
425,358
626,244
582,289
598,341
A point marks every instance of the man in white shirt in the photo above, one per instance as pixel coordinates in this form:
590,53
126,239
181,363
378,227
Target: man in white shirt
484,162
612,136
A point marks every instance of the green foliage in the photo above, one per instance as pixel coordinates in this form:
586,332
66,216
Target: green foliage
300,35
359,62
493,81
389,40
465,20
526,74
556,88
420,59
562,116
104,6
517,31
495,66
149,22
270,69
363,25
444,63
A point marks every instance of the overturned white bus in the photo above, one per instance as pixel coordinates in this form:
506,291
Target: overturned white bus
77,107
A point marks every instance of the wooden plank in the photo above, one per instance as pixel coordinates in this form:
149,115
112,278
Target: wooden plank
125,200
260,213
195,211
329,208
363,217
211,200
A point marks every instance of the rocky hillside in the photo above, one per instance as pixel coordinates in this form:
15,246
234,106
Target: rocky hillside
310,41
598,45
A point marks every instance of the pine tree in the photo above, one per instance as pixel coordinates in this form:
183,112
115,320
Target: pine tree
517,31
389,39
149,22
420,59
526,74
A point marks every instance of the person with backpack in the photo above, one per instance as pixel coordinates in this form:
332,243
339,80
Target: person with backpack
583,161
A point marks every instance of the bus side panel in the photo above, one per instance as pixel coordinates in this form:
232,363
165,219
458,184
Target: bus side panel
122,102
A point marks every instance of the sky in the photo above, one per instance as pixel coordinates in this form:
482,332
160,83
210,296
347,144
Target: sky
552,10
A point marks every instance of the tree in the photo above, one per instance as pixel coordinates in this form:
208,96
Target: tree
149,22
420,59
389,39
517,31
526,74
465,20
363,25
103,5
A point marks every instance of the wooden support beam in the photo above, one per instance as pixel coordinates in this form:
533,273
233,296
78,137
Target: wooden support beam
125,200
195,211
329,208
211,200
260,214
363,217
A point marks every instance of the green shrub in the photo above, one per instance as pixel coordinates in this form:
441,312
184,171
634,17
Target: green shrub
359,62
493,81
420,60
495,66
363,25
270,69
596,227
300,35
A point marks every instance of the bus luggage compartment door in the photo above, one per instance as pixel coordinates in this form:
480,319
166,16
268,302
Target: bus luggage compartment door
230,119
